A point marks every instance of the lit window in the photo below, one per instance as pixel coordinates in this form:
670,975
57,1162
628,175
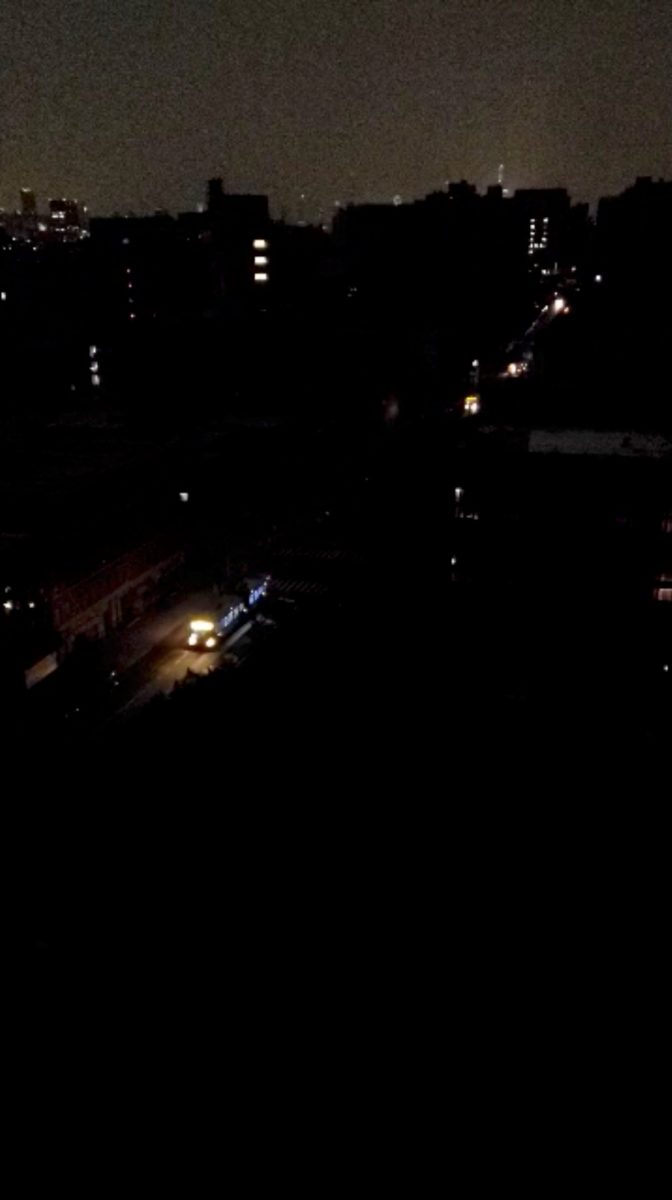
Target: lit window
95,380
3,295
260,260
260,277
260,244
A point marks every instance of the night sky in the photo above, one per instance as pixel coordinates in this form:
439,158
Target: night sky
132,104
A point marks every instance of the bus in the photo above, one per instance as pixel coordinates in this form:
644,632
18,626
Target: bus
206,632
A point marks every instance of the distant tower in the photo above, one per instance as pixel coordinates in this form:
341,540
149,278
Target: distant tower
500,175
28,204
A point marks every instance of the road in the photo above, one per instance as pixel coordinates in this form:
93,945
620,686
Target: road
170,664
146,660
150,658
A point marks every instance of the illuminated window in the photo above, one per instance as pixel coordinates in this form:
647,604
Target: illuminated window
260,277
260,244
260,260
95,380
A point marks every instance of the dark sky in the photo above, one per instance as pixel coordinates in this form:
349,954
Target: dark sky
133,103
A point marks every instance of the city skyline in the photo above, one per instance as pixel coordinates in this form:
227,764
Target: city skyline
133,107
47,201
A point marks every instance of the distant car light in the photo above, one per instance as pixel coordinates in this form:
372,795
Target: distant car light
200,626
211,641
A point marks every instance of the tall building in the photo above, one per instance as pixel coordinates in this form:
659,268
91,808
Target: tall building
64,219
543,217
28,203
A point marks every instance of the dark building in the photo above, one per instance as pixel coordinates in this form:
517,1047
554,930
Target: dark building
28,203
634,231
441,278
240,229
634,272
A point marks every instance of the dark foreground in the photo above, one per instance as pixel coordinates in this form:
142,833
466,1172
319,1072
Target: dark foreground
475,684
